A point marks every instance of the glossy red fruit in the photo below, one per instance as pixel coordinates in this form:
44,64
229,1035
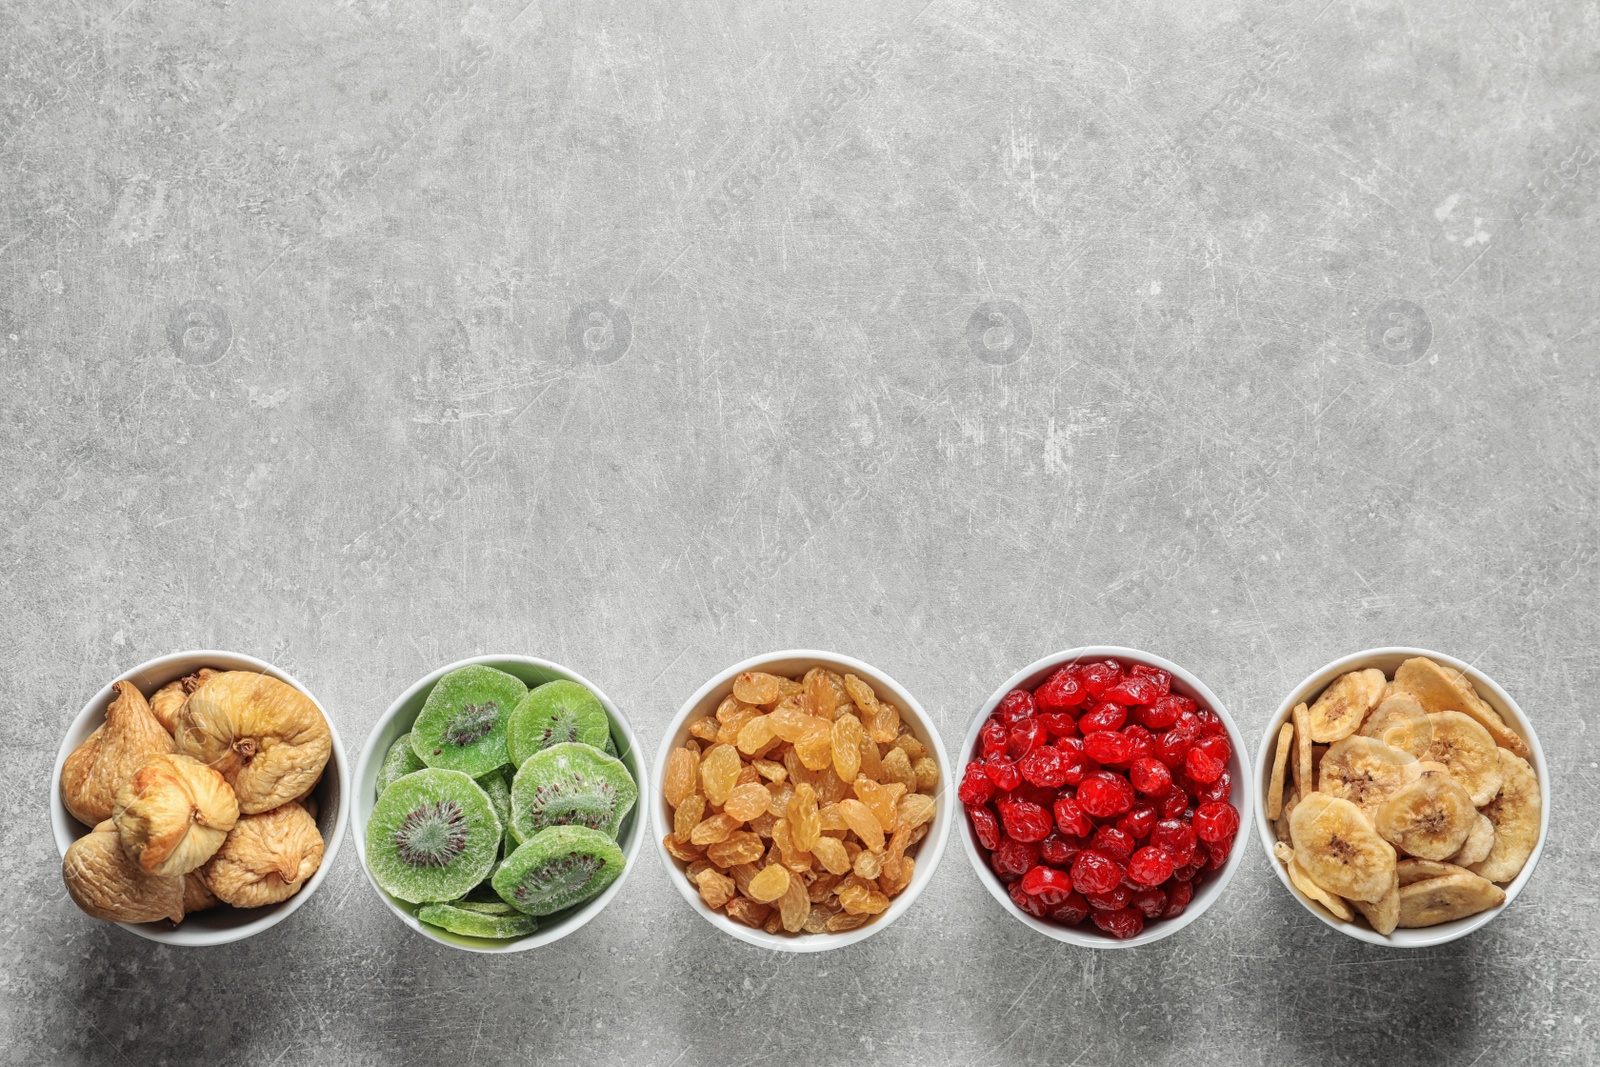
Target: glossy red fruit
1216,746
1098,678
984,827
1201,767
1027,901
1141,742
1105,795
1105,746
1012,858
1138,822
1095,872
1102,716
1215,821
993,738
976,788
1113,842
1150,866
1058,724
1221,789
1074,763
1177,838
1178,896
1063,691
1060,851
1121,924
1172,747
1161,678
1071,911
1024,821
1217,853
1002,772
1190,870
1149,902
1026,736
1209,722
1110,900
1015,706
1174,804
1049,883
1134,689
1162,714
1045,766
1150,777
1071,819
1033,794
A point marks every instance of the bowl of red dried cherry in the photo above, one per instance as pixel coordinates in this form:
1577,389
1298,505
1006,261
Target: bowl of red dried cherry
1103,790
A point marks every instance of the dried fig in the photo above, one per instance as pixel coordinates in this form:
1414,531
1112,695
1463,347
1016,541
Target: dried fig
106,883
197,896
266,858
174,813
167,703
130,735
268,739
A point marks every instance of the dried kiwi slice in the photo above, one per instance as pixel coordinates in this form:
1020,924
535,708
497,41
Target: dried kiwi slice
498,785
555,712
433,835
463,724
557,868
570,784
397,763
473,923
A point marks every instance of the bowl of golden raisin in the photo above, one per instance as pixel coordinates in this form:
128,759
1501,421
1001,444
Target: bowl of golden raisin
198,799
802,803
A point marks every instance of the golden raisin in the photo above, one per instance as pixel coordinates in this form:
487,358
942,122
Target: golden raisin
769,770
829,817
819,696
878,800
838,924
746,911
896,768
915,809
728,732
926,771
815,749
705,729
680,849
884,725
794,907
719,772
741,846
747,801
868,865
755,687
715,889
769,885
716,828
831,854
805,824
847,747
754,735
862,823
688,815
860,900
893,886
681,779
914,749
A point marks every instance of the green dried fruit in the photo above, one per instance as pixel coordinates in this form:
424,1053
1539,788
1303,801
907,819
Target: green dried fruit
433,835
471,922
463,724
571,784
398,762
558,868
553,713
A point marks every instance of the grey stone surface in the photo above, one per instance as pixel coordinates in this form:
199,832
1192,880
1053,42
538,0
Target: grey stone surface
954,334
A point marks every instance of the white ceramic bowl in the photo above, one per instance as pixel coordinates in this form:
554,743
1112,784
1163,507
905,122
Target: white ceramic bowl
219,925
1243,798
398,719
1388,660
926,853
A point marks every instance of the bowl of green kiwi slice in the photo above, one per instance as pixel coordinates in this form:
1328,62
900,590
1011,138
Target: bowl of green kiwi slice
496,803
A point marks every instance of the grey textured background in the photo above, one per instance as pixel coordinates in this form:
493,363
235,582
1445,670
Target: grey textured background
285,293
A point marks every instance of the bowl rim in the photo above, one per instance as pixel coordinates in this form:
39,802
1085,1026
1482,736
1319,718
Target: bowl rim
1243,800
62,822
1497,697
928,853
361,809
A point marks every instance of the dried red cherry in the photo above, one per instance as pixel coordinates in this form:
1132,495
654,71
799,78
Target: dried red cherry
1095,872
1071,911
1201,767
1027,901
1060,851
1105,746
1063,691
1049,883
1141,742
1221,789
1150,777
1121,924
1134,689
1099,677
1149,902
1105,795
1178,896
1138,822
993,738
984,827
1023,820
1045,766
1177,838
1161,678
1215,821
976,788
1071,819
1015,706
1174,804
1113,842
1150,865
1025,736
1110,900
1002,772
1172,747
1216,746
1102,716
1058,724
1012,858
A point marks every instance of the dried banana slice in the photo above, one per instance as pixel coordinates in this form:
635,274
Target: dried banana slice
1429,819
1515,813
1280,763
1439,688
1336,845
1421,870
1458,742
1302,881
1397,708
1365,771
1281,827
1304,778
1340,709
1441,900
1478,845
1383,915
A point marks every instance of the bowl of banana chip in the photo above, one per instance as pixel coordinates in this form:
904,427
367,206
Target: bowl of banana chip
1403,796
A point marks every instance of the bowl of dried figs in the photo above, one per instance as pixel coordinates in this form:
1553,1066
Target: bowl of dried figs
198,799
1404,797
802,804
496,803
